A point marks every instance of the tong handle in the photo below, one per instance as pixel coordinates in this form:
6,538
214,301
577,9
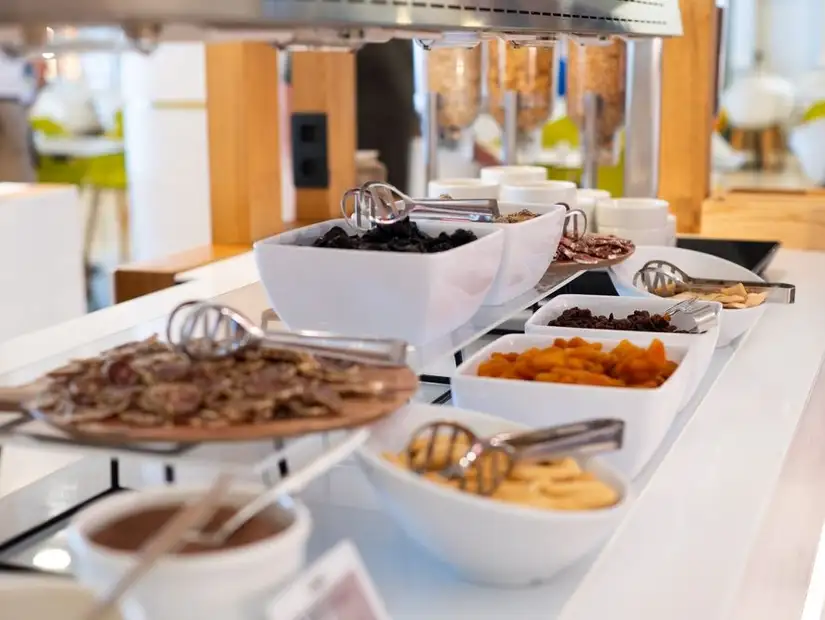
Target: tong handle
471,209
359,350
777,292
590,437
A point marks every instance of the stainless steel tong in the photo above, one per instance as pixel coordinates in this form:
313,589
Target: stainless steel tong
656,275
376,203
693,316
204,330
453,451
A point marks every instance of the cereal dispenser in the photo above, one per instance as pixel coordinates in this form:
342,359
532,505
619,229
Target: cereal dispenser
520,90
596,85
448,94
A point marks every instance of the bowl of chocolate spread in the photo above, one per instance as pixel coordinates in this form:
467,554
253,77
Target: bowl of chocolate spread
230,582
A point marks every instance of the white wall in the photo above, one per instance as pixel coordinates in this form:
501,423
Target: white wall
791,32
167,149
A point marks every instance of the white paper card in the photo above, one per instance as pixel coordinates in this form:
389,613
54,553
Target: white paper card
336,587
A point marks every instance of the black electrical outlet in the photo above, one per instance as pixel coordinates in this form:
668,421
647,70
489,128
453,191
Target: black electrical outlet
309,151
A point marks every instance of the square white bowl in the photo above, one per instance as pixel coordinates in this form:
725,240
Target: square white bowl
646,412
484,540
414,297
621,307
732,323
529,248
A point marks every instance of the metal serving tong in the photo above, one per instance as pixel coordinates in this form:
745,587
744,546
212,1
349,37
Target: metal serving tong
493,458
205,330
693,316
376,203
656,275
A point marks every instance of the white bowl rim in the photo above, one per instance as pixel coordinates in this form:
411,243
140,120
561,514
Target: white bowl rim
489,231
545,184
621,203
84,523
514,167
463,370
465,182
486,504
552,304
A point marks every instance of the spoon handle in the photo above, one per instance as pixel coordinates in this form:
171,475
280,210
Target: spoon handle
189,518
294,483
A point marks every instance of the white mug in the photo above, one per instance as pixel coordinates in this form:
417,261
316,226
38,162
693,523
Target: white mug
217,585
463,189
632,213
513,174
540,192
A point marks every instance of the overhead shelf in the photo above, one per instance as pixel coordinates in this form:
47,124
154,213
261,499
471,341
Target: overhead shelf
640,18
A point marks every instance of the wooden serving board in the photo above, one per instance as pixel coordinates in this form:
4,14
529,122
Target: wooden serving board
569,267
402,385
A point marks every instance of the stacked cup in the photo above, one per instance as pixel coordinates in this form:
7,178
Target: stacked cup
644,221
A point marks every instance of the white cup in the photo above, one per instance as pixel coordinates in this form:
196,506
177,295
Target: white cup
463,188
632,213
540,192
639,236
671,230
230,584
504,175
586,200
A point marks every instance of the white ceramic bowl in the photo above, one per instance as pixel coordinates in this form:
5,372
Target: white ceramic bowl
586,200
732,323
415,297
510,174
529,248
647,413
540,192
644,213
621,307
26,597
639,236
220,585
463,188
485,541
807,142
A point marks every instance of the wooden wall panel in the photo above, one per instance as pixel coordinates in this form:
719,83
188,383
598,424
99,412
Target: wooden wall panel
688,89
244,153
325,82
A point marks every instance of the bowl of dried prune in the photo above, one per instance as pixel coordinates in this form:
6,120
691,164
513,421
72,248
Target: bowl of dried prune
607,314
416,281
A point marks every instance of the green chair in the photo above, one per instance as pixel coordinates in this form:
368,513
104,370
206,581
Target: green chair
59,170
107,173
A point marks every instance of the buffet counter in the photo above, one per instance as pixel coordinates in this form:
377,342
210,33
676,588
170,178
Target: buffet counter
708,535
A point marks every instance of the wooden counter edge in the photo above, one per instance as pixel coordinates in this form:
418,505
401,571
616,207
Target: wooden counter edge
138,279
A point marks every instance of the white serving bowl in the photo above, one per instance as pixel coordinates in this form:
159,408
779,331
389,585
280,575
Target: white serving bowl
639,236
510,174
415,297
732,323
624,213
540,192
529,248
230,584
647,413
26,597
485,541
586,200
621,307
463,188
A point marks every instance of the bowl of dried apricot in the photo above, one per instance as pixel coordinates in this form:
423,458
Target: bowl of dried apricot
544,380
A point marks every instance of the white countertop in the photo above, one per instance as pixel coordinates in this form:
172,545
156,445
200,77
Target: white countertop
701,540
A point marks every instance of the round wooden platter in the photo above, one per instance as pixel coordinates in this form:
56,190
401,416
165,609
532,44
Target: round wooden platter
568,268
402,384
